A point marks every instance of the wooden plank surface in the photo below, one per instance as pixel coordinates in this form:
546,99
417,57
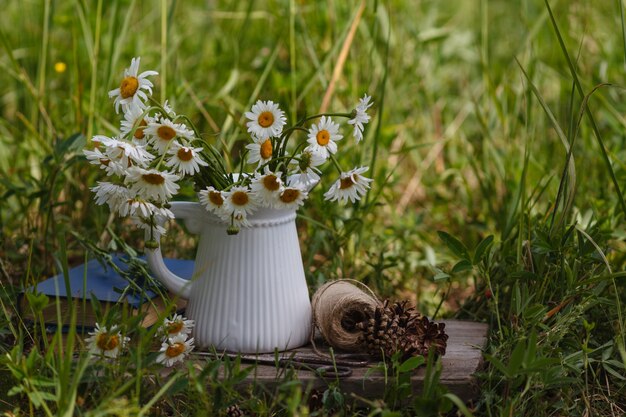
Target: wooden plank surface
463,357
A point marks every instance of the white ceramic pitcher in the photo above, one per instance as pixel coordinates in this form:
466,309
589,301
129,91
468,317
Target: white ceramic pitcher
248,292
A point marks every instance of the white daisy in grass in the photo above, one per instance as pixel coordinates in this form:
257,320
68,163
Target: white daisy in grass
106,342
128,153
260,150
174,349
169,110
152,184
306,171
266,119
152,225
213,200
177,325
162,133
135,206
100,141
240,202
96,157
323,137
267,187
291,196
361,117
185,160
135,120
112,194
131,89
350,186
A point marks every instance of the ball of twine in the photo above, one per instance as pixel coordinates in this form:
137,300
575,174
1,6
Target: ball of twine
337,307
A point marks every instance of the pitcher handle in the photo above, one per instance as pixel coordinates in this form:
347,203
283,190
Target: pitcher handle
190,212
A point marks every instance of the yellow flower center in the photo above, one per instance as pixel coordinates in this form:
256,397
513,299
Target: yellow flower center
105,162
323,137
266,119
175,350
175,327
240,198
154,179
139,132
184,154
166,133
106,342
289,195
270,182
216,198
347,182
129,87
266,149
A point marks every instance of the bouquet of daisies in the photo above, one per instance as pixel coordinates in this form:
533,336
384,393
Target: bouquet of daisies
156,149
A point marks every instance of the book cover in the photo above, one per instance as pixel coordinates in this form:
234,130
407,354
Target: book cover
99,280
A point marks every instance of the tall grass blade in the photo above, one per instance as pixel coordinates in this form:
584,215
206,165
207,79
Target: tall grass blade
596,131
570,178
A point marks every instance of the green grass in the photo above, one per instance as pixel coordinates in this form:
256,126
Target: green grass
500,118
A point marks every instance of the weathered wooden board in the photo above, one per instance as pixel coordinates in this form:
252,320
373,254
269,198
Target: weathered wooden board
463,357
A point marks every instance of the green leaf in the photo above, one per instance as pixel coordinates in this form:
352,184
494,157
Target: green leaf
440,276
455,245
517,358
411,364
37,301
482,249
462,265
459,404
499,365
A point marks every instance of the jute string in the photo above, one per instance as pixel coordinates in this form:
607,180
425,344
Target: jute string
337,307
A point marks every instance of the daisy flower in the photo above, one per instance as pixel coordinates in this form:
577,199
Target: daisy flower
174,350
162,132
267,187
152,184
361,117
131,88
260,150
169,110
266,119
111,194
213,201
322,137
151,225
134,119
177,325
135,206
96,157
240,202
292,196
306,171
124,152
185,160
105,342
100,140
350,186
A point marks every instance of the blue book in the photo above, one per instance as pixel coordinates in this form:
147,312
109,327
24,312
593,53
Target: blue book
102,282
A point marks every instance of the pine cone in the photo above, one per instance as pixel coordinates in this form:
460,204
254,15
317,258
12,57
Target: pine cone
233,411
384,333
426,335
399,328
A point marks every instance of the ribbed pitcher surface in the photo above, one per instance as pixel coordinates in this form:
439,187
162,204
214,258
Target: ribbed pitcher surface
248,292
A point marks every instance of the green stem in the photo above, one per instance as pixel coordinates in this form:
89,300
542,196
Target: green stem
334,161
94,71
163,50
317,116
